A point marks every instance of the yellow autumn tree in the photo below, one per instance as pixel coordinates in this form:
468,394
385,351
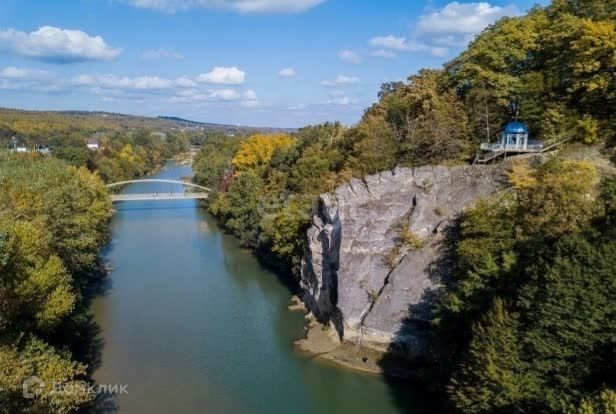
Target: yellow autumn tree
257,151
557,197
593,61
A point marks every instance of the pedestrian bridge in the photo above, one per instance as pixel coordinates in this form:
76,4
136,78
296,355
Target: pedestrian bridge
199,192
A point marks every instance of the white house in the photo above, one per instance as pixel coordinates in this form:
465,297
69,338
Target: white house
93,144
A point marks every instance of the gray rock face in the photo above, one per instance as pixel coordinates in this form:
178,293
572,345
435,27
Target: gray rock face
356,272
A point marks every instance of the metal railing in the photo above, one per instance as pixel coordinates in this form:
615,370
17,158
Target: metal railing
483,158
487,146
494,150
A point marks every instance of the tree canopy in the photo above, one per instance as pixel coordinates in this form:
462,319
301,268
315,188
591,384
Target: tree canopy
53,220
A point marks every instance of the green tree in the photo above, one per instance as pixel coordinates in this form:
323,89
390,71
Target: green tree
428,120
239,207
569,307
284,233
214,160
40,362
53,220
492,376
593,9
603,403
486,255
77,156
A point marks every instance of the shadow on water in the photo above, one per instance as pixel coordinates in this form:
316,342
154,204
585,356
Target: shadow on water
428,370
88,347
104,403
264,259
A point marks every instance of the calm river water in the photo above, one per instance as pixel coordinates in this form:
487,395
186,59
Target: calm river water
192,324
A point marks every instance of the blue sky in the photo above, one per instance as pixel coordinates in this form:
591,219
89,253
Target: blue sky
280,63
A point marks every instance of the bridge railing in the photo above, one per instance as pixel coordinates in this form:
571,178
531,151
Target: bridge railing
159,196
162,181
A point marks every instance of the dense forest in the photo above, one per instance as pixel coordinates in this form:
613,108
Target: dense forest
528,323
53,221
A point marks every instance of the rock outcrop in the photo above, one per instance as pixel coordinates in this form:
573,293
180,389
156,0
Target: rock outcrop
359,275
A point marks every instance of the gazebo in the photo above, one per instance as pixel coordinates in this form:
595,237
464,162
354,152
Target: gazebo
514,136
514,140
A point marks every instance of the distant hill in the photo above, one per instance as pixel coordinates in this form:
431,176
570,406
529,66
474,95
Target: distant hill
227,127
60,123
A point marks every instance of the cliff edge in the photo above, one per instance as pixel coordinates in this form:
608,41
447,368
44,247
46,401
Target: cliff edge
361,274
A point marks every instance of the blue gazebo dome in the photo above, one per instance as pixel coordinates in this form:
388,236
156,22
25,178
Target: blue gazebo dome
516,128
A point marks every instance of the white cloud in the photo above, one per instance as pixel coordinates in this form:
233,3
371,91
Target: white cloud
287,73
223,76
298,107
185,82
341,80
188,92
463,18
196,97
240,6
19,73
157,54
111,87
225,95
402,44
339,97
389,42
142,83
454,25
53,44
250,99
342,101
247,98
450,40
250,104
33,80
349,56
250,95
387,54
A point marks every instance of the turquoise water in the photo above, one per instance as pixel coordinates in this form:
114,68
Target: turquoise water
191,323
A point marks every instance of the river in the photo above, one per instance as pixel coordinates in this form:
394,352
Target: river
191,323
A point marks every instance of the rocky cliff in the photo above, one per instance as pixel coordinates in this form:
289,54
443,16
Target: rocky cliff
375,254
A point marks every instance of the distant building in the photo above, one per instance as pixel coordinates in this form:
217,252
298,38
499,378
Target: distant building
93,144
